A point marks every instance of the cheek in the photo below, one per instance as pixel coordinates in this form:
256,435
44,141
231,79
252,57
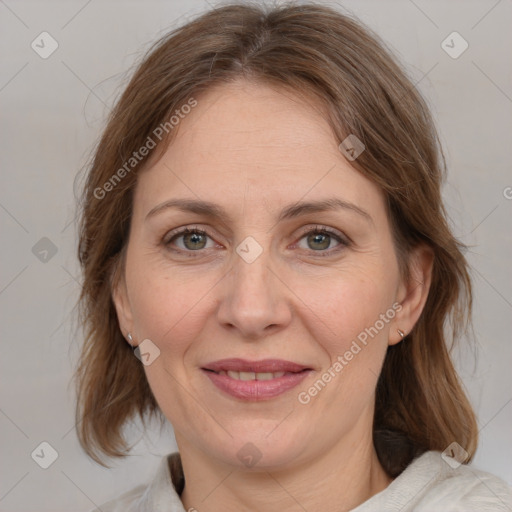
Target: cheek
347,306
354,339
166,305
169,309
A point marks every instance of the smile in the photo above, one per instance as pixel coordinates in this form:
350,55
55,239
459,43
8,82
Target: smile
251,375
255,380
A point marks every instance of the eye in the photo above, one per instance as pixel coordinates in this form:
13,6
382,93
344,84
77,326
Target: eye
192,240
320,239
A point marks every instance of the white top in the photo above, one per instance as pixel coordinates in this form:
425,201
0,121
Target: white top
428,484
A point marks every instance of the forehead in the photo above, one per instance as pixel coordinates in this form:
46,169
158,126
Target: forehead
254,141
242,119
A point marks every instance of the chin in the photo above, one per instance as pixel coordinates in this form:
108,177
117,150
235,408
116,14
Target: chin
264,447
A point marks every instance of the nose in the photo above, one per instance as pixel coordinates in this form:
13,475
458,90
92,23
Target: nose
255,300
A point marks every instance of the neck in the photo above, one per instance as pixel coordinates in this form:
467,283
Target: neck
340,479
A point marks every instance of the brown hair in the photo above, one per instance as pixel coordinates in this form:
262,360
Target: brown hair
315,51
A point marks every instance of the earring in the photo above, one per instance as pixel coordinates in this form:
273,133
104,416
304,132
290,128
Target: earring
402,333
130,338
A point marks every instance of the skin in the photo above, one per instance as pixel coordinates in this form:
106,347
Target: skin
253,150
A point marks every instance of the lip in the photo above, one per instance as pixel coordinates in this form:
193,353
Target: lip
265,365
256,390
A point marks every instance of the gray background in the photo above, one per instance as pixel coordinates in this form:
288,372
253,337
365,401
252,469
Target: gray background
52,113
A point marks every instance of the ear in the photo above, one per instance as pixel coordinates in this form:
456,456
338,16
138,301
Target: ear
413,294
121,301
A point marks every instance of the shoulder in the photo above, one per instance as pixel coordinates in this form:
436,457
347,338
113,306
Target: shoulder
127,502
461,487
433,483
159,495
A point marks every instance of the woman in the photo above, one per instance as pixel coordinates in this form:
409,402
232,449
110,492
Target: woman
262,229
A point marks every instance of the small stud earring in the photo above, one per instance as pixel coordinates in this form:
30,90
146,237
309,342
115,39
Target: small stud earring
402,333
130,338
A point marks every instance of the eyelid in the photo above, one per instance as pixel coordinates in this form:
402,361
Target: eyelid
326,229
181,231
343,239
169,235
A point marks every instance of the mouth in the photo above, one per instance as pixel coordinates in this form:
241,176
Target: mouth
255,380
252,375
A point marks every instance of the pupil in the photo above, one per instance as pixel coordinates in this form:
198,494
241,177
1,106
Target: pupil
195,238
317,238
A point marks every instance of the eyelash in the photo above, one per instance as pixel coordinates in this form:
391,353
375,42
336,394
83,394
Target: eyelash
343,242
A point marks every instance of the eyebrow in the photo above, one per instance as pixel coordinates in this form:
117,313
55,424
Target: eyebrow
291,211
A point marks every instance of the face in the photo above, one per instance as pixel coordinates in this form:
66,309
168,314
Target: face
306,316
